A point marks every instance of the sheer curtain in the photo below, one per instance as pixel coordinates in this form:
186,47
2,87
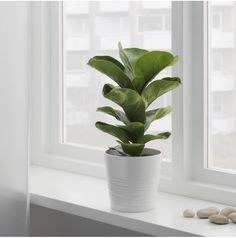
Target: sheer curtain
14,71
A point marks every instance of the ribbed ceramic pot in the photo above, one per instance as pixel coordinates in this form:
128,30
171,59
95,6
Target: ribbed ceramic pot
132,181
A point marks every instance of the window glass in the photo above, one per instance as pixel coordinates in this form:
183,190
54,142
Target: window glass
146,23
221,85
94,28
216,20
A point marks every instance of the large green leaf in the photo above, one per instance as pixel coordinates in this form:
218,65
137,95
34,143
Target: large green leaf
113,130
119,115
149,65
129,57
158,88
112,68
146,138
109,59
129,100
156,114
132,149
135,130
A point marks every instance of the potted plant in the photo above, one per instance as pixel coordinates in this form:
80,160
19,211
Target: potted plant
132,169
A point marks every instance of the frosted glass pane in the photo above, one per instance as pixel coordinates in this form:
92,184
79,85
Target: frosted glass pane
222,90
96,31
14,117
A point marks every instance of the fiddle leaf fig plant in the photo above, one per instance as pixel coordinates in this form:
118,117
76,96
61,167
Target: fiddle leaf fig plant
135,87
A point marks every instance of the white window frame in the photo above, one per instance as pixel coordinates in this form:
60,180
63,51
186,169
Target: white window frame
187,174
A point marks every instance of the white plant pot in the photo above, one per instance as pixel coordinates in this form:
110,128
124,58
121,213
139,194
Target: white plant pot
132,181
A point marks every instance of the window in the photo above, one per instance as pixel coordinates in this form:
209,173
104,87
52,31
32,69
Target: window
200,157
217,103
217,20
146,23
222,128
158,23
217,62
103,24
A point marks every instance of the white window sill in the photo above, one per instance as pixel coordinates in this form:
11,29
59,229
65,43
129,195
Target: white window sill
88,197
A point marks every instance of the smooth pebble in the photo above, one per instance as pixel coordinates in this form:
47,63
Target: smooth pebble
226,211
206,212
219,219
188,213
232,217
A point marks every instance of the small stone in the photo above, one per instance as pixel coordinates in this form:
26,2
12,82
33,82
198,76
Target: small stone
232,217
219,219
206,212
226,211
188,213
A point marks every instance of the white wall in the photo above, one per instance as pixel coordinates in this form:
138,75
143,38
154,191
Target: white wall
14,71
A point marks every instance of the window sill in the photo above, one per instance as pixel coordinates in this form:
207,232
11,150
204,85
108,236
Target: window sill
88,197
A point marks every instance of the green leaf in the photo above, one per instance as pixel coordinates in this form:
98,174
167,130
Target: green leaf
158,88
107,88
146,138
149,65
117,149
135,130
113,130
132,149
129,57
112,68
129,100
109,59
156,114
119,115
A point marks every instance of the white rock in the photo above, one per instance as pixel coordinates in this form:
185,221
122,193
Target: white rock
226,211
219,219
188,213
232,217
206,212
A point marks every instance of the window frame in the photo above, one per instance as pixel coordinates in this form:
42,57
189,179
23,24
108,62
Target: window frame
202,114
186,174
